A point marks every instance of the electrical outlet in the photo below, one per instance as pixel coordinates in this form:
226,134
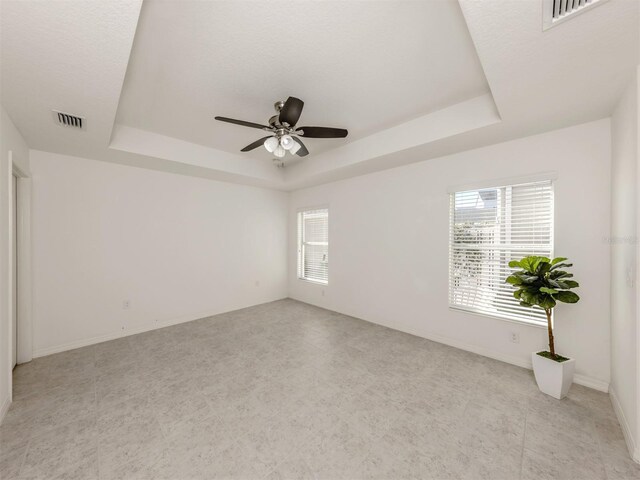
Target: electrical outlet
323,293
126,304
514,337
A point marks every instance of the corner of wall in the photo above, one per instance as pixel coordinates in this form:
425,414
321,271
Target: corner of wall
4,408
634,450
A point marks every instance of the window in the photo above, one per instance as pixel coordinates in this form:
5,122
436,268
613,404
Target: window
489,227
313,245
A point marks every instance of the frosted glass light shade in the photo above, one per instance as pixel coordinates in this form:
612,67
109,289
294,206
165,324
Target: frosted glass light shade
286,142
279,152
271,144
294,148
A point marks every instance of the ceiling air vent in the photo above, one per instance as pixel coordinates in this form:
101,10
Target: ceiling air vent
557,11
68,120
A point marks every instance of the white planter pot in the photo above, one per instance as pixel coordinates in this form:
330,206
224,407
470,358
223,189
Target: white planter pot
553,378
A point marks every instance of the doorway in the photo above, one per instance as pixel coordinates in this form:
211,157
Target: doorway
14,272
19,342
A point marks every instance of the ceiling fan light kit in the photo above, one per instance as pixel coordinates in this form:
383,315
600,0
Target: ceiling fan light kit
284,133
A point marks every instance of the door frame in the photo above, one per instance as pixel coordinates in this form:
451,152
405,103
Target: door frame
22,229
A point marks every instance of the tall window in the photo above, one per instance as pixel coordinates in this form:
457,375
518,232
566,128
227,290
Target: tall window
489,227
313,245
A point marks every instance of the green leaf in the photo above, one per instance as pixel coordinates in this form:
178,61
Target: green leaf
525,264
528,278
567,297
560,274
548,290
560,265
515,264
558,260
543,267
531,264
539,261
514,280
529,297
570,283
547,302
564,275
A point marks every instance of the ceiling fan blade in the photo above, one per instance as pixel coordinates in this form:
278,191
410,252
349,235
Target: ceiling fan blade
255,144
302,151
323,132
243,123
291,111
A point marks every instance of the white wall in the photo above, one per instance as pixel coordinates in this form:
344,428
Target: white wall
10,141
388,246
624,261
178,247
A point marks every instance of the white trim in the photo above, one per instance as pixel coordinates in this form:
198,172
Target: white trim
9,275
583,380
634,450
591,382
4,409
528,323
153,325
315,282
322,206
504,182
24,344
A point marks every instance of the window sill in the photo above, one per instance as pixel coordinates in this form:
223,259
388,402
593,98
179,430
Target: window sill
527,323
315,282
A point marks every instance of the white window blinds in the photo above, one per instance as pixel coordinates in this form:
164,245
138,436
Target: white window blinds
489,227
313,245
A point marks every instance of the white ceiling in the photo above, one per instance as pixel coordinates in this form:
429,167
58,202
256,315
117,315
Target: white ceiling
69,56
403,76
572,73
364,67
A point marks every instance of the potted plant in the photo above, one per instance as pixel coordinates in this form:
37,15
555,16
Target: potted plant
542,283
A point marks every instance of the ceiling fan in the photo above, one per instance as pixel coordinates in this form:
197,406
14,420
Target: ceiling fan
284,134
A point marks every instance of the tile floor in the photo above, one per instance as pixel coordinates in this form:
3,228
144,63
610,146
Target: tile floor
289,391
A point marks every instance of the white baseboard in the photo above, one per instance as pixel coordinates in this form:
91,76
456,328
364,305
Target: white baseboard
85,342
4,409
583,380
634,450
513,360
591,382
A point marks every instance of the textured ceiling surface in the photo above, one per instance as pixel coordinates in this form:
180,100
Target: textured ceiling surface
410,79
574,71
364,66
65,55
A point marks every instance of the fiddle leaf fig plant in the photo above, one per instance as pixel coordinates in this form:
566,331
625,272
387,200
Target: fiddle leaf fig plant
542,282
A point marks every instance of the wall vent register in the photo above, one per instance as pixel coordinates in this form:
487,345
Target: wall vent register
557,11
68,120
